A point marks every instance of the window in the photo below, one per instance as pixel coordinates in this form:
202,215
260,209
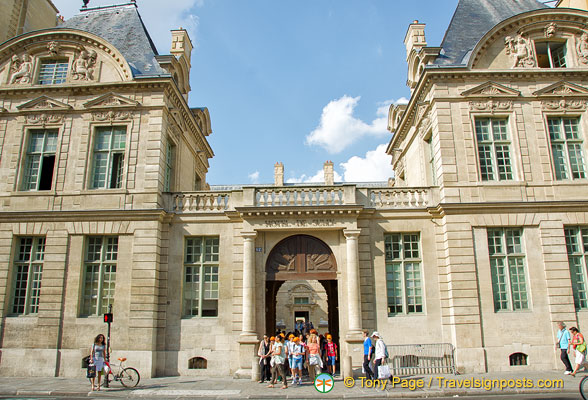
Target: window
517,359
301,300
197,363
566,147
507,265
494,149
109,154
403,273
551,54
52,72
201,277
99,274
40,160
431,159
577,247
28,270
167,179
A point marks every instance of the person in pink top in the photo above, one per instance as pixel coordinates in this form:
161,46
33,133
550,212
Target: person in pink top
313,356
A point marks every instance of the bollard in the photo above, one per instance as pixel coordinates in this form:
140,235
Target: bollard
346,367
255,369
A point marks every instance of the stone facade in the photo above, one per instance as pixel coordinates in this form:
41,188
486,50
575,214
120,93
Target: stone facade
105,201
21,16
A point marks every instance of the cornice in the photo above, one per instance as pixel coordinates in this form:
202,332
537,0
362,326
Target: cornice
526,207
67,216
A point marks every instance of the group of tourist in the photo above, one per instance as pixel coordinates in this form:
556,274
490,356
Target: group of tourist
289,354
571,340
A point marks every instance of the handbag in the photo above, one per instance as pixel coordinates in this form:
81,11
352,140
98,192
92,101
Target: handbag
581,348
91,371
384,372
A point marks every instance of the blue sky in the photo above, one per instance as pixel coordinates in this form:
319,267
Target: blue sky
297,82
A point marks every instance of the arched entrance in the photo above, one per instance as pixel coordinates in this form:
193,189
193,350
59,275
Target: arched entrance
301,257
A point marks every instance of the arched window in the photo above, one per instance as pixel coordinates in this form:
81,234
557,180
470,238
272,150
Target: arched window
197,363
518,359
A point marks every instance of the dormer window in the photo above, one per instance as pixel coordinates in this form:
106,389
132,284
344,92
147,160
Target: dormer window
551,54
53,72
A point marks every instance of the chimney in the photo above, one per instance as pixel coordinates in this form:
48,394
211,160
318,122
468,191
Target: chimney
279,174
415,37
181,45
329,173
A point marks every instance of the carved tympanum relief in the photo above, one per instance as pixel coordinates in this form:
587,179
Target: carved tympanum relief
21,69
521,51
582,48
84,65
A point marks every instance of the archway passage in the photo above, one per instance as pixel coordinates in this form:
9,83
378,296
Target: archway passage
302,257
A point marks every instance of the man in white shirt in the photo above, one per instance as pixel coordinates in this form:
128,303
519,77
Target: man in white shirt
380,356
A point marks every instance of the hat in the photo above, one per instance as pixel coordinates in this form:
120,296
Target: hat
273,338
282,335
329,337
290,335
376,333
296,339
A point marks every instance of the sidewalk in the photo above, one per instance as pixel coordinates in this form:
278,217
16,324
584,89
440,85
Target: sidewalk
203,387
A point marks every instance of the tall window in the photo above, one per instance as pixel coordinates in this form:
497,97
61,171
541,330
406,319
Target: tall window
577,246
551,54
431,157
201,277
52,72
109,154
28,270
566,147
169,159
40,160
403,273
99,274
494,149
507,265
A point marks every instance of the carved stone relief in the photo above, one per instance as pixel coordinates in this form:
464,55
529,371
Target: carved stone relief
550,30
84,65
44,118
491,105
521,51
582,48
53,47
563,105
111,115
21,69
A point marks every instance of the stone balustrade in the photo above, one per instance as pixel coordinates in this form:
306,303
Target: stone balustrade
201,201
299,196
399,198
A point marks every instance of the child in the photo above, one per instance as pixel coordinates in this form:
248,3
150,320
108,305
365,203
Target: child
331,355
298,352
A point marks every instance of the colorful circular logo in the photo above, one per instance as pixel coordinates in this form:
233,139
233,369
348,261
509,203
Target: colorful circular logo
324,383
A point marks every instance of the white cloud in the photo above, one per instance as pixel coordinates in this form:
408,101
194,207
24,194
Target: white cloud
159,23
339,128
375,166
254,177
319,177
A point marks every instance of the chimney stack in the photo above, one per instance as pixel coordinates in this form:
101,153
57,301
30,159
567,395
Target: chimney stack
415,37
181,45
329,173
279,174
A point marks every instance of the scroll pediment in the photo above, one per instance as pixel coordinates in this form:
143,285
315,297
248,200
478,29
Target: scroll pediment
44,103
491,89
562,88
110,100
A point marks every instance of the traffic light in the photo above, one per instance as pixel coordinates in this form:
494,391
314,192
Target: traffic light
108,318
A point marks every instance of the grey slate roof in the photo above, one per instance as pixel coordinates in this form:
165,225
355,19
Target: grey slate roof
472,20
122,26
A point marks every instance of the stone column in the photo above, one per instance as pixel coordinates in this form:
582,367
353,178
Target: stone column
353,291
248,341
248,284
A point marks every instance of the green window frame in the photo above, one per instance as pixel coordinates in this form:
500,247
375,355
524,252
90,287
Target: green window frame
494,149
403,273
577,249
507,267
168,168
40,160
53,72
301,300
100,263
108,157
28,274
201,267
567,148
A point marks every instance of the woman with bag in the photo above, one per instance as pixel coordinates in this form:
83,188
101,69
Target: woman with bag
278,359
315,362
382,371
97,358
264,359
579,346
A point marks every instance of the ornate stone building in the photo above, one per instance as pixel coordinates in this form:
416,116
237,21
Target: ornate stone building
483,232
21,16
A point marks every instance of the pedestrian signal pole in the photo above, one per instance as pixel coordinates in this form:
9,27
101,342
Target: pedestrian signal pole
108,320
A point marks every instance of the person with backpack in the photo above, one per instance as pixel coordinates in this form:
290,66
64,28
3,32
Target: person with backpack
367,354
331,355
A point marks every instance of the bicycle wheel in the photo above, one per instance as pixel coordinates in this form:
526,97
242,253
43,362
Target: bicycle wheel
584,387
129,377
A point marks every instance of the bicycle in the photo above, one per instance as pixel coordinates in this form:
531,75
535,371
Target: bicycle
129,377
584,387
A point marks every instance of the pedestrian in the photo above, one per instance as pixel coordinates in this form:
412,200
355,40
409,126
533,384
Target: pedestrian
98,357
381,352
278,363
313,356
289,347
563,342
297,353
331,355
367,354
579,346
264,359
